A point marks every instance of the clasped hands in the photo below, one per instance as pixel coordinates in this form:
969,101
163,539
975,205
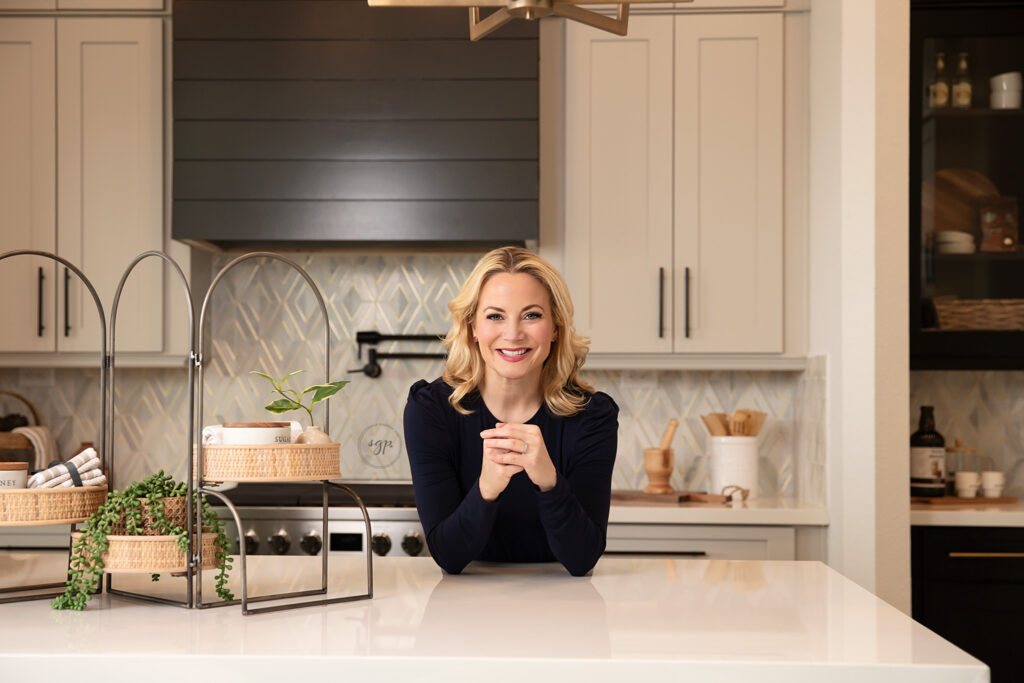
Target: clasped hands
512,448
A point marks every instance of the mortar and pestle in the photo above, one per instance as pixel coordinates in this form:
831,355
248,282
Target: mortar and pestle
658,462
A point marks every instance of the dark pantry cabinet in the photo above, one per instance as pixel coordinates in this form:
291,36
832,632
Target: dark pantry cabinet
966,188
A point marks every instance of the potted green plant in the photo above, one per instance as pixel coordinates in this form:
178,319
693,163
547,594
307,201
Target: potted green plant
292,399
142,506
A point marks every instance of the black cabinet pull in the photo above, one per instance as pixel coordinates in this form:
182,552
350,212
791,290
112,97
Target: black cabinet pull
67,305
686,285
661,302
39,319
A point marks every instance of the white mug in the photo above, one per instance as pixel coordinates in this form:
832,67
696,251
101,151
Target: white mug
967,484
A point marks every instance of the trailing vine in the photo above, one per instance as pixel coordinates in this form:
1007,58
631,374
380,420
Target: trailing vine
85,567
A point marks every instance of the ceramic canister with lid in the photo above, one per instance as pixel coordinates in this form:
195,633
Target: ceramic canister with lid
13,475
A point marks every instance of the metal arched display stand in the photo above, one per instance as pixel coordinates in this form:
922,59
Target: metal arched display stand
103,445
326,485
188,602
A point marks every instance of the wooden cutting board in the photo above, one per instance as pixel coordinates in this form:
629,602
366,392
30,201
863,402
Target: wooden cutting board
674,498
953,500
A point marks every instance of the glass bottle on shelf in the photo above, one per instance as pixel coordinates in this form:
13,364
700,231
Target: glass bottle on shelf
938,89
927,457
962,84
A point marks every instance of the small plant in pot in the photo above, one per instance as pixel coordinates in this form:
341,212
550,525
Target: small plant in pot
144,506
292,399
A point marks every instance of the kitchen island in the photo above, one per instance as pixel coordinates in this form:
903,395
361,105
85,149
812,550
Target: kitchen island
651,619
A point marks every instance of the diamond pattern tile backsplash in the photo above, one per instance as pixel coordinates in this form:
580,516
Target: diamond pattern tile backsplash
264,317
984,409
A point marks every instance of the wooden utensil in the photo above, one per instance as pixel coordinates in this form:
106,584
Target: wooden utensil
737,424
670,432
714,425
757,419
723,420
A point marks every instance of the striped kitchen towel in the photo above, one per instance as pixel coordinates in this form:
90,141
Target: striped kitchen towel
85,467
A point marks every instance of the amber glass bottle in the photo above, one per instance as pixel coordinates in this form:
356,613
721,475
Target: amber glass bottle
927,457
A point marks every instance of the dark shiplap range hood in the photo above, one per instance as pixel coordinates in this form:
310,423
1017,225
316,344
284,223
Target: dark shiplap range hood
328,123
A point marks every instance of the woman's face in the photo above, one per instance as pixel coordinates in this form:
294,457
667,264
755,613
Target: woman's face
514,326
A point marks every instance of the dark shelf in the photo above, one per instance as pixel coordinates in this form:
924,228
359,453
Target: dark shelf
976,113
980,256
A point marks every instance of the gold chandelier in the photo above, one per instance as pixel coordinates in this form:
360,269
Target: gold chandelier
526,9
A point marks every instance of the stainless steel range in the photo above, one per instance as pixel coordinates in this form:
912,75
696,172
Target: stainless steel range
287,519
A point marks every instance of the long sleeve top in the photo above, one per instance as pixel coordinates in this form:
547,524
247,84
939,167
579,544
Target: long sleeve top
567,523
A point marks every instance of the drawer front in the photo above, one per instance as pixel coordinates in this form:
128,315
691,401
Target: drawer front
971,553
712,542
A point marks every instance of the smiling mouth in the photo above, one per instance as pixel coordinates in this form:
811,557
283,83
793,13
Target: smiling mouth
513,354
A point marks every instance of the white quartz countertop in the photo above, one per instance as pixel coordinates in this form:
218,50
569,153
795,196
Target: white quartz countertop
973,514
632,619
759,511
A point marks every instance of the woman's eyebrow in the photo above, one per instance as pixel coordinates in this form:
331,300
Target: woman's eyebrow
502,310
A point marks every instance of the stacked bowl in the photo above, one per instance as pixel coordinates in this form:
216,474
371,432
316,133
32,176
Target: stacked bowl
954,242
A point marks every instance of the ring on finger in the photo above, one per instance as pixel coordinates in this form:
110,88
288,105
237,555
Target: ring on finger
526,447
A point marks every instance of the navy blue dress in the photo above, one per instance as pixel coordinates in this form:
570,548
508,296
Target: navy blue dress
568,523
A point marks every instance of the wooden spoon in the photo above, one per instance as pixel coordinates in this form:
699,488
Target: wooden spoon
737,424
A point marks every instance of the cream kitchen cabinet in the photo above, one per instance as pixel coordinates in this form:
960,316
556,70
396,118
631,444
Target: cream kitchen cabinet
673,190
68,5
81,162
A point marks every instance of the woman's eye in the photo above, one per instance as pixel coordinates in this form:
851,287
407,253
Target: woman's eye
534,315
494,316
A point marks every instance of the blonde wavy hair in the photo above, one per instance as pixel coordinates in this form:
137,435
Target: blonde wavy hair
564,392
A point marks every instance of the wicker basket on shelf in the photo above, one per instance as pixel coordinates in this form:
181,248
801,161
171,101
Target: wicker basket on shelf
980,314
174,512
151,554
271,462
17,447
37,507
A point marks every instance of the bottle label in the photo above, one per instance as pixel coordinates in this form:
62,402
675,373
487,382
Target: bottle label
962,95
938,94
928,463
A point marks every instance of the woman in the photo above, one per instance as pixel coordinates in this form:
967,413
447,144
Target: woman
511,452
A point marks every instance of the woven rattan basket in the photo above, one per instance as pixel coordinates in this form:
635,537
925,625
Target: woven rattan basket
151,554
271,462
174,512
980,314
17,447
37,507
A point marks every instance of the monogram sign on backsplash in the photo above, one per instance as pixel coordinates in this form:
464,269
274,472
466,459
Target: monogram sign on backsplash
263,317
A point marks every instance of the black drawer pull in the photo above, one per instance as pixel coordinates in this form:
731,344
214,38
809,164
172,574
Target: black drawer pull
989,555
661,303
40,325
686,330
67,305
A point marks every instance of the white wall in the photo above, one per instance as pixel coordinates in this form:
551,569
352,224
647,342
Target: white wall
858,260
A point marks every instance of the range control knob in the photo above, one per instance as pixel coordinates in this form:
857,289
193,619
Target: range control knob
412,544
252,542
380,543
311,543
279,542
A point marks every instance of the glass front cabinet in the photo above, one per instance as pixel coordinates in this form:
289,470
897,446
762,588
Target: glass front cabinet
966,185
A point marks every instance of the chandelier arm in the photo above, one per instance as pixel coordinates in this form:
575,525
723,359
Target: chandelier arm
618,26
478,29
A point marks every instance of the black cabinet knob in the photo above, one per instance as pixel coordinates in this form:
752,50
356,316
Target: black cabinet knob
311,543
412,544
381,544
279,543
252,542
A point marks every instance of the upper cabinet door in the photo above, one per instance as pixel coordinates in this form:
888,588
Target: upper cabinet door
618,166
729,184
27,176
110,177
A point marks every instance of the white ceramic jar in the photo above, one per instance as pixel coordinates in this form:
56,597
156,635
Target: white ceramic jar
13,475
